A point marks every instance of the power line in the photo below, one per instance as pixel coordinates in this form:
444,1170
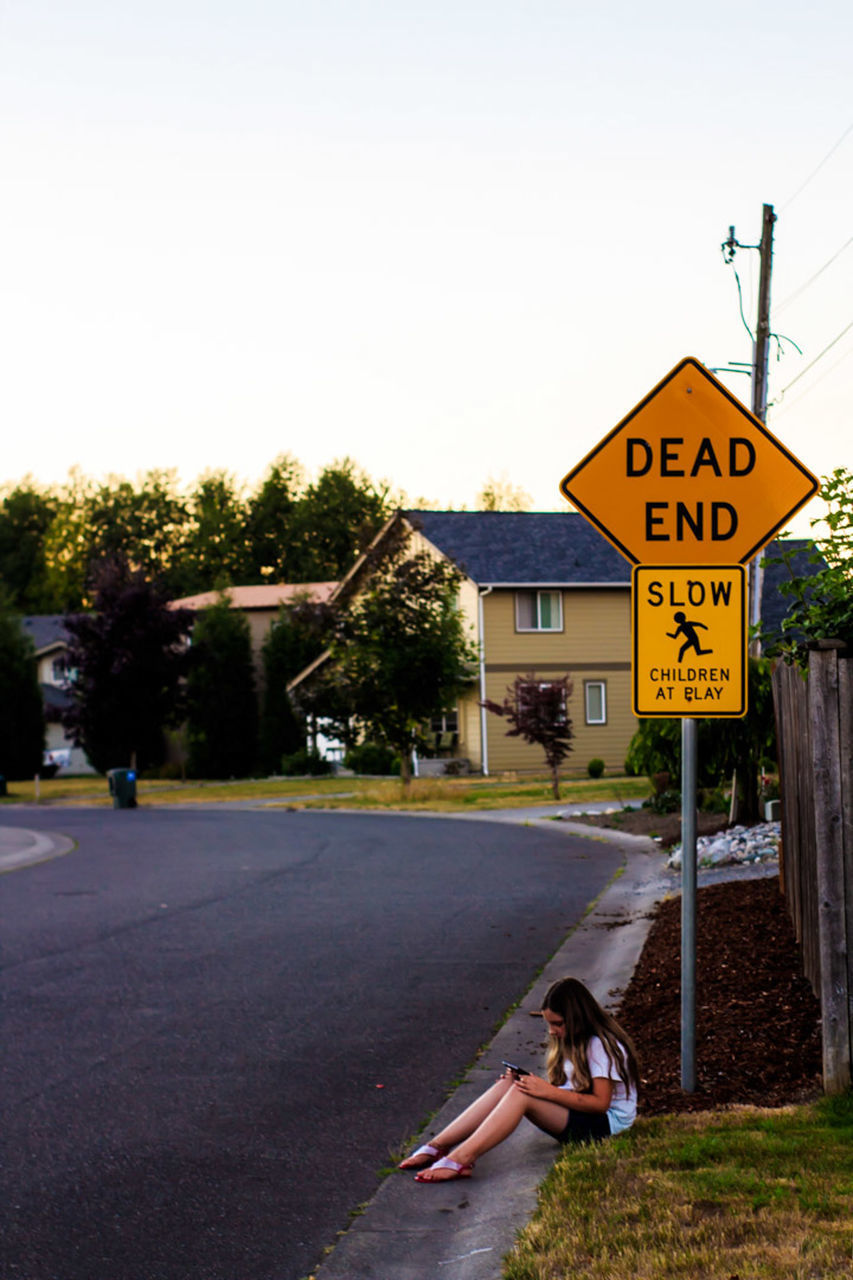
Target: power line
792,403
820,356
816,171
791,296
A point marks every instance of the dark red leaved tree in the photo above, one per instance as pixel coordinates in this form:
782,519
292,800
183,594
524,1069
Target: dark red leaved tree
538,711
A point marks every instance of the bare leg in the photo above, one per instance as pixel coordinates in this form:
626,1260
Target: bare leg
472,1117
498,1124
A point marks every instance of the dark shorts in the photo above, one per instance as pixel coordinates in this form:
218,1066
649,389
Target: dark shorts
585,1126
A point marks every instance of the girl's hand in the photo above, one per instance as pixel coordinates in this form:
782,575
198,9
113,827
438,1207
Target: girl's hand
533,1086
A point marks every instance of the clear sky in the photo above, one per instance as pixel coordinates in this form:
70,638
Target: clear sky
454,240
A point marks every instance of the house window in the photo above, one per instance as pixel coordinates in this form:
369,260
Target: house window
595,701
443,732
447,722
538,611
558,708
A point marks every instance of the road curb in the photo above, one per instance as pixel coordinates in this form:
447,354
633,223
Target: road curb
463,1230
22,847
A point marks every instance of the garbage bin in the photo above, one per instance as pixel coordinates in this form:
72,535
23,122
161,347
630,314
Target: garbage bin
122,788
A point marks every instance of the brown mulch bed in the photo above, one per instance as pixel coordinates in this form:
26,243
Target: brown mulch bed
757,1020
666,827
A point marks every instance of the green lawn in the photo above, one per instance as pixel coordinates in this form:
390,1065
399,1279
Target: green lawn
748,1193
435,794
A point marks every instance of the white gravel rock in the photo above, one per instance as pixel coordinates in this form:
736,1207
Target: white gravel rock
737,845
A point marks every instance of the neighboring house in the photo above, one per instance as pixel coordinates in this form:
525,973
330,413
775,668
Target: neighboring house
50,640
544,594
261,605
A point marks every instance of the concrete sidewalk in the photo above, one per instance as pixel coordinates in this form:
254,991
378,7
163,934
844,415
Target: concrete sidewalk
461,1230
21,847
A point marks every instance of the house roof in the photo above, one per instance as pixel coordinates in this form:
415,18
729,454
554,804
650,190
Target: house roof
518,548
55,699
265,596
774,605
46,630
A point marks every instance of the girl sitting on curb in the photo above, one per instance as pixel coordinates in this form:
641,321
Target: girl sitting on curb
590,1093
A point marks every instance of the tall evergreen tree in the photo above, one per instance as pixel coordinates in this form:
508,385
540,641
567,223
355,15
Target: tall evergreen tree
270,524
335,519
21,710
26,513
222,711
296,638
125,662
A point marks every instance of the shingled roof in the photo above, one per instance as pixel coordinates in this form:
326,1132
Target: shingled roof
515,548
45,630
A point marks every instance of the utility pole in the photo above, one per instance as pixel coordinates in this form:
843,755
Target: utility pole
760,361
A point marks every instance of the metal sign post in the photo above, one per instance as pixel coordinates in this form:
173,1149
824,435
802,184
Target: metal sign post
688,905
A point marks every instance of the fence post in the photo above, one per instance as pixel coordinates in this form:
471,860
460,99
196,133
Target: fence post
825,723
845,693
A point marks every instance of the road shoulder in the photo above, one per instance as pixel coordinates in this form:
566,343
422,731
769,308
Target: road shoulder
464,1229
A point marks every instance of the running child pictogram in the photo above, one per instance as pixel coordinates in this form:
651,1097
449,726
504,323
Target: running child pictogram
688,630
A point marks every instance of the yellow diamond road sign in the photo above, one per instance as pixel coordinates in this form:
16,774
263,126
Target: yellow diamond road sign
689,641
689,477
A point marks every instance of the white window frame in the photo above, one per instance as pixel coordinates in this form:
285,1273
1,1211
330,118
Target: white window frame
598,684
538,596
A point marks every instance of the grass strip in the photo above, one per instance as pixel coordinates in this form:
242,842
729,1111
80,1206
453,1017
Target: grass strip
724,1195
444,795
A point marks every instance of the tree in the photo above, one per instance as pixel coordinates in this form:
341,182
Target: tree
821,602
502,495
22,717
400,651
222,712
125,661
26,514
215,551
296,638
142,524
538,711
334,521
270,523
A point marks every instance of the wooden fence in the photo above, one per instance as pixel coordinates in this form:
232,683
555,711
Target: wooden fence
814,719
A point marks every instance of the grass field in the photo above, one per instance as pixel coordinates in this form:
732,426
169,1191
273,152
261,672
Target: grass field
446,795
752,1193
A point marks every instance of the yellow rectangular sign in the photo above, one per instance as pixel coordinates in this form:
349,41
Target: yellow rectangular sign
689,641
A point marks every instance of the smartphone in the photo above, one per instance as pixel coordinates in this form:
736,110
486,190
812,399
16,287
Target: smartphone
516,1071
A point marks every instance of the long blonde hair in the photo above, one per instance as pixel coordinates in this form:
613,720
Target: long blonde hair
583,1018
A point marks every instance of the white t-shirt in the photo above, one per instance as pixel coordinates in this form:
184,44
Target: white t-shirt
623,1104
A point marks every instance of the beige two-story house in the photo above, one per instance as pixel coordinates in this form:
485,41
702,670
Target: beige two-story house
544,596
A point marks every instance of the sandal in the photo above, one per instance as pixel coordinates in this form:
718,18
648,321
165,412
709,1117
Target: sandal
430,1150
457,1171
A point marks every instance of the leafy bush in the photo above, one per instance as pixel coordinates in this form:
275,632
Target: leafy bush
371,758
668,801
305,763
714,800
595,768
821,602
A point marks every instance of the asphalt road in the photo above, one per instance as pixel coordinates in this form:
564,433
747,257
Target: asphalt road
219,1024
